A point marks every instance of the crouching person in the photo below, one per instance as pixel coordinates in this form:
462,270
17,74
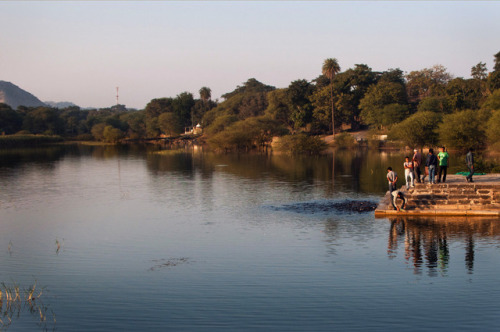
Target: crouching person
395,195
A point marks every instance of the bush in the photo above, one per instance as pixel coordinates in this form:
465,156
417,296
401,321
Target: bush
8,141
418,130
246,134
301,143
345,141
482,165
493,101
493,128
98,131
112,135
434,104
464,129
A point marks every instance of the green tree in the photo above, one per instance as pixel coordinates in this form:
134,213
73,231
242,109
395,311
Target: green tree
182,105
418,130
10,120
245,101
43,120
199,110
379,106
393,75
221,123
98,131
301,143
205,94
136,123
464,94
427,82
479,71
350,87
246,134
322,118
278,108
493,81
112,135
298,94
158,106
152,127
250,86
330,69
497,62
493,128
464,129
493,101
434,104
169,124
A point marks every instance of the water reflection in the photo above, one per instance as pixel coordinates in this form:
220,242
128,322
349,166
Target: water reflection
346,170
426,241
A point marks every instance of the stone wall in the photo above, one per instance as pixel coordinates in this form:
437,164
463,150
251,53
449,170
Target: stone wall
454,196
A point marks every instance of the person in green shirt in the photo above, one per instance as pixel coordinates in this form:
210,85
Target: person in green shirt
443,163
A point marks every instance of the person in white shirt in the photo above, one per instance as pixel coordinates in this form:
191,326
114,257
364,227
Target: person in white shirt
417,161
408,165
392,177
395,195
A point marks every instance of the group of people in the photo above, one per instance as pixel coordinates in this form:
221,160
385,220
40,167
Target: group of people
413,171
433,163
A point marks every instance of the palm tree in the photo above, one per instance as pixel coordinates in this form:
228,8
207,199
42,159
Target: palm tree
330,69
205,94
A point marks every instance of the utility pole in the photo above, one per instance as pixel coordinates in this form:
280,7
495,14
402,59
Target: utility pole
117,103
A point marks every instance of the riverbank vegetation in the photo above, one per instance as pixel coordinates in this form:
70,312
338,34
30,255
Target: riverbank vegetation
424,107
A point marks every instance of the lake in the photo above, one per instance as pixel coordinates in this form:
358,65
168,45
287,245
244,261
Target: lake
132,238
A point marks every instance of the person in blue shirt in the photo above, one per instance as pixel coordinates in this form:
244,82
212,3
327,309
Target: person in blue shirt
432,162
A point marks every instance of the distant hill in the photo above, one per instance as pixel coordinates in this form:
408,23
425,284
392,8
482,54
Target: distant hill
14,96
61,104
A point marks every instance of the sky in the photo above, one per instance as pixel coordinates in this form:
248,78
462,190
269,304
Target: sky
81,51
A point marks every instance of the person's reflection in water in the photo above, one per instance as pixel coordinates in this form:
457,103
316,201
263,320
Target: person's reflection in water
426,241
469,254
443,253
397,231
431,249
416,251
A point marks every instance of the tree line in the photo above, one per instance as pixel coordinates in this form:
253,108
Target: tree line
422,107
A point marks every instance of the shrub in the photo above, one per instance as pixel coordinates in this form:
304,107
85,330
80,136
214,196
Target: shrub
464,129
493,101
345,141
301,143
7,141
112,135
493,128
418,130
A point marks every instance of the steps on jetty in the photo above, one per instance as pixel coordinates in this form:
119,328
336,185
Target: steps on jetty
455,197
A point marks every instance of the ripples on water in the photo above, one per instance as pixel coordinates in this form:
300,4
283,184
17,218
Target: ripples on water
127,240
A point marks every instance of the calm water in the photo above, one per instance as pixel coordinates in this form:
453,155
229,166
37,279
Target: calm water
125,239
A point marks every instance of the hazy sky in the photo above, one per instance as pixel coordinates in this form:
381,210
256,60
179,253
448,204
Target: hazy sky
81,51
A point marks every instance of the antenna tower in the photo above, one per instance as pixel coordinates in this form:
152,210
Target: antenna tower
117,103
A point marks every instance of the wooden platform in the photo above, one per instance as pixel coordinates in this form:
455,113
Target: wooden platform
456,197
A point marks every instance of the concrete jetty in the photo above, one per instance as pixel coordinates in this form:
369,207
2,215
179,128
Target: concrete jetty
455,197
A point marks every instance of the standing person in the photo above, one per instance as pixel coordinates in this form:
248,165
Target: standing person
443,163
432,164
417,161
469,160
392,177
408,165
